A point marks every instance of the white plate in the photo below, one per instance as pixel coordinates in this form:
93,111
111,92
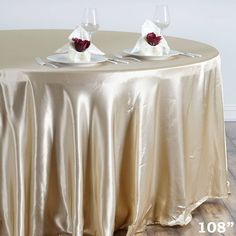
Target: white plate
172,53
64,59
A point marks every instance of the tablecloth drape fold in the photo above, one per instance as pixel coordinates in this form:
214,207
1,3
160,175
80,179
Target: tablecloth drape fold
89,153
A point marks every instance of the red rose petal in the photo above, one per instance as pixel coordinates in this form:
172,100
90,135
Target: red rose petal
152,39
80,45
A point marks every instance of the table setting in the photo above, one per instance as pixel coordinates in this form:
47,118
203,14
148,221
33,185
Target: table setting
80,51
103,130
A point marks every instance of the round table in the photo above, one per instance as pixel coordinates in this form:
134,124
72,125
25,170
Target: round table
90,150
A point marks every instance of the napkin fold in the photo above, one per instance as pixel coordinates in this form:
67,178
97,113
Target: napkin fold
73,54
144,48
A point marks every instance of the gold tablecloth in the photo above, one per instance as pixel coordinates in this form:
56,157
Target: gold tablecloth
87,151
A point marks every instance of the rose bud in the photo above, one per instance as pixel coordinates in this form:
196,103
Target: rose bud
80,45
152,39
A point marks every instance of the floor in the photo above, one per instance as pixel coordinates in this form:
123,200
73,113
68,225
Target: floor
211,211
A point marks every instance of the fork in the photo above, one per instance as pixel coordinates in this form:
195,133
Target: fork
41,62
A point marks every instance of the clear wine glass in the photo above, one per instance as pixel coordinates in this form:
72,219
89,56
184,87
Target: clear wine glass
90,20
162,16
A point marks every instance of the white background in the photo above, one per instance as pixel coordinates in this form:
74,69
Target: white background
209,21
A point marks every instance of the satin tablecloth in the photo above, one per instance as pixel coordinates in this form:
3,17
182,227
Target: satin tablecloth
87,151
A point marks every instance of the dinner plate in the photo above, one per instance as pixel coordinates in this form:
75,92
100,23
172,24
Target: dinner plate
64,59
172,53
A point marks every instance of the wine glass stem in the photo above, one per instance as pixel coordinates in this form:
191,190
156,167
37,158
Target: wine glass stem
162,30
90,35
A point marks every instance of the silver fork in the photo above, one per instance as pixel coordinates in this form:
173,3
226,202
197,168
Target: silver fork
41,62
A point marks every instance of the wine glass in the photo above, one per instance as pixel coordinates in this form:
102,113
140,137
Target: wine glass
90,20
162,16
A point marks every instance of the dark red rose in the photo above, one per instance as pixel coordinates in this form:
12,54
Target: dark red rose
80,45
152,39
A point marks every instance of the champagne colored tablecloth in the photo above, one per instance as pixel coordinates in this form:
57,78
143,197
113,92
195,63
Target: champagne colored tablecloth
87,151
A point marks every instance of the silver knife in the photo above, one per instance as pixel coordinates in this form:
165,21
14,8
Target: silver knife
189,54
118,60
128,57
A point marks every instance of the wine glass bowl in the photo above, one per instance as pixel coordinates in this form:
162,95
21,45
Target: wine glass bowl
162,16
90,20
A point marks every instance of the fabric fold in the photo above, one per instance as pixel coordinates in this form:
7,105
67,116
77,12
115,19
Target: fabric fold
91,153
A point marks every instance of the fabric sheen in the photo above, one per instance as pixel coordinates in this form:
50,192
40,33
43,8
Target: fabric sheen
87,151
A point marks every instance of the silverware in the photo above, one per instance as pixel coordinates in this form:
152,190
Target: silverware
113,62
189,54
41,62
118,60
128,57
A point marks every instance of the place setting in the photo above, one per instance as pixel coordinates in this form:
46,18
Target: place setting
80,51
152,45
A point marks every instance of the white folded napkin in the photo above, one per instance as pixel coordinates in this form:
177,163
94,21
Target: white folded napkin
144,48
74,55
